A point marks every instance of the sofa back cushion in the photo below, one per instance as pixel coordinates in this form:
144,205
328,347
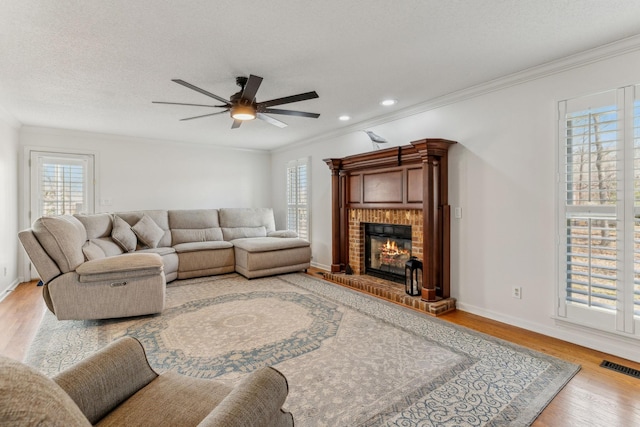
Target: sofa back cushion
97,225
248,217
194,225
62,237
232,233
159,217
99,232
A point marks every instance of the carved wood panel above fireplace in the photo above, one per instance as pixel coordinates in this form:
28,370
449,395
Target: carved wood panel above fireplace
388,182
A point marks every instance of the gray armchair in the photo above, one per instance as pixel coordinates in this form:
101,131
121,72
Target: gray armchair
116,387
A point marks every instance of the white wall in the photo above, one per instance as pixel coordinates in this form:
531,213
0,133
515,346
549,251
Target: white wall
139,173
8,205
502,174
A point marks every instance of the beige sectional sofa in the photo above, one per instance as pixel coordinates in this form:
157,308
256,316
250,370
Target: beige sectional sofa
111,265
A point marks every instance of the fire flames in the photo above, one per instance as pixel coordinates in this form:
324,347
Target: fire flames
389,252
391,248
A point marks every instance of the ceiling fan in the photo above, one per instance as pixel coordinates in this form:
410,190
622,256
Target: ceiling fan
243,105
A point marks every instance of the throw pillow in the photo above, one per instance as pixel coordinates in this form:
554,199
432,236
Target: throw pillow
148,231
123,235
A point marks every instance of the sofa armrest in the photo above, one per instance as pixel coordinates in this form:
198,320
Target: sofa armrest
256,401
102,381
282,233
120,267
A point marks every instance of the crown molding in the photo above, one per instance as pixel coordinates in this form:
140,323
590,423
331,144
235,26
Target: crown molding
601,53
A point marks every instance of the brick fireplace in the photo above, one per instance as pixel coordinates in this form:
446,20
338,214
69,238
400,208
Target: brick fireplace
359,217
405,185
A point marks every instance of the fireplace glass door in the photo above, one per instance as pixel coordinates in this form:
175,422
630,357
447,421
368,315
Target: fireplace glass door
387,249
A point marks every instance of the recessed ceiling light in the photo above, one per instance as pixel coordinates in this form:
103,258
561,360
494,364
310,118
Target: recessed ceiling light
344,118
389,102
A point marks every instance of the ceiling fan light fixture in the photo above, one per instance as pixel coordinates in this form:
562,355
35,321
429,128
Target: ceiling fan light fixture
242,105
243,112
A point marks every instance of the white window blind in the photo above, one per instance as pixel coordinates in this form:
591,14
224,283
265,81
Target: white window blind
61,184
600,211
298,209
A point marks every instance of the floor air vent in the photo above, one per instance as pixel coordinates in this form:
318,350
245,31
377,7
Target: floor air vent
622,369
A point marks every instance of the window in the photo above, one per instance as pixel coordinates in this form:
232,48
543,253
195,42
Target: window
61,184
599,226
298,197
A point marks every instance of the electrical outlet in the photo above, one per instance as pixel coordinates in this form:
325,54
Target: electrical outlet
516,292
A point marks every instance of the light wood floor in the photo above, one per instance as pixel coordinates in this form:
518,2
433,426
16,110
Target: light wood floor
594,397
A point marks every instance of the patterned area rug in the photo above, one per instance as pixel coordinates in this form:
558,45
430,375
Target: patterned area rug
350,359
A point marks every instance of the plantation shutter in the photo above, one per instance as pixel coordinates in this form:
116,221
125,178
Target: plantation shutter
599,174
592,150
298,197
61,184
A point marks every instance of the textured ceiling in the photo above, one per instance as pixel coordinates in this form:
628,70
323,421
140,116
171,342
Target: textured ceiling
97,65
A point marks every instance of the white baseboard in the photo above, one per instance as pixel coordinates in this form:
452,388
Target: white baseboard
626,348
320,266
10,288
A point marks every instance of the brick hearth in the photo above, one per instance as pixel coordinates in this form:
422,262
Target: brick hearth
390,291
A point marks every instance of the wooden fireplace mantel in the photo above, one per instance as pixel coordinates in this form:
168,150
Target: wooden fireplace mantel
412,176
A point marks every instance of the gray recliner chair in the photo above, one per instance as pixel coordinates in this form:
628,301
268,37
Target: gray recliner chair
117,387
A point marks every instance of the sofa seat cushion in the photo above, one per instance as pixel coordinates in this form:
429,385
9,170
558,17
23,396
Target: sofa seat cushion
120,267
171,399
160,251
199,259
267,244
169,259
201,246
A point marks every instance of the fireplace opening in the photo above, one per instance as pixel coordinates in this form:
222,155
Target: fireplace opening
387,249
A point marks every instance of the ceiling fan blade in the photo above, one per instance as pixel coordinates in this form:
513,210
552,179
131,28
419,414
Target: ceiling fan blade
271,120
289,99
202,91
251,88
291,113
236,124
204,115
182,103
